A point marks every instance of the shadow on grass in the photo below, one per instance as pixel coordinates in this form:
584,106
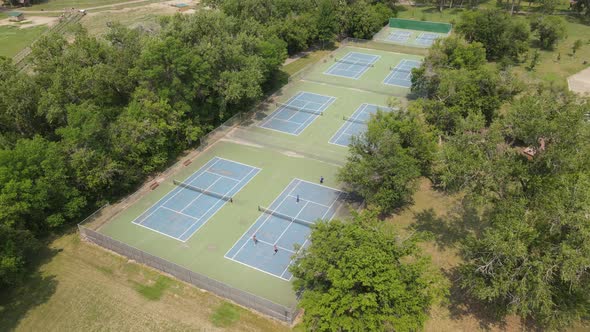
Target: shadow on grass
35,290
450,229
463,305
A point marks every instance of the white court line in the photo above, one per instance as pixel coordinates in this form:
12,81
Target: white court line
237,162
184,214
304,242
223,202
278,109
290,223
246,240
322,108
255,268
179,191
347,125
306,200
268,216
221,175
200,194
270,244
155,230
335,66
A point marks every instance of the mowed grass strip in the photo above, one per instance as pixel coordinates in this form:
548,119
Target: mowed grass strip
13,39
80,287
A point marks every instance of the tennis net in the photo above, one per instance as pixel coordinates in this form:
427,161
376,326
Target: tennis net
291,107
286,217
347,118
402,69
365,64
203,191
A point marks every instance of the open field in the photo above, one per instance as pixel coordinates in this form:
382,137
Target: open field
82,287
14,39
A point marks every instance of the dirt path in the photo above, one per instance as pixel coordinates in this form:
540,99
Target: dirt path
89,8
580,82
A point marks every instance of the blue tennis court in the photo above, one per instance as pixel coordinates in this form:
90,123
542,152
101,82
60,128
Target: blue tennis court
297,113
426,38
399,36
401,75
356,124
315,202
183,211
352,65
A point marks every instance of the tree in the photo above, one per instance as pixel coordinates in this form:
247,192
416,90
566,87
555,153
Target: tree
361,276
532,256
576,46
500,34
550,29
534,60
385,162
327,21
362,20
582,6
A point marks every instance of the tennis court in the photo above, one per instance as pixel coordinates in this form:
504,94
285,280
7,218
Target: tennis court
297,113
352,65
399,36
427,38
195,200
356,124
285,223
401,75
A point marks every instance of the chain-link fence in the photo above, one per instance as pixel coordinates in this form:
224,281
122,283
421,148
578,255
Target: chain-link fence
240,297
236,128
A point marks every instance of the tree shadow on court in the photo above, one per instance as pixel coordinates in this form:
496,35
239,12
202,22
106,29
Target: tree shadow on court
448,230
35,289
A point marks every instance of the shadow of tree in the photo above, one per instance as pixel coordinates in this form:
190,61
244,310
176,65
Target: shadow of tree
35,290
451,228
462,305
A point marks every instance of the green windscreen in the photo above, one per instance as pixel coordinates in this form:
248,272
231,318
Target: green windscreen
420,25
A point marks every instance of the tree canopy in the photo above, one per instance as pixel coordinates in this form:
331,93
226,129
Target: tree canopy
386,161
361,276
502,35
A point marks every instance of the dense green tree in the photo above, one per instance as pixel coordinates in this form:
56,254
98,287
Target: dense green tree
361,276
327,21
550,29
582,6
502,35
35,187
362,20
17,246
532,254
19,96
386,161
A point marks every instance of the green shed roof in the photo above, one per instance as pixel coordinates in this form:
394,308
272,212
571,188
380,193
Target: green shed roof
15,14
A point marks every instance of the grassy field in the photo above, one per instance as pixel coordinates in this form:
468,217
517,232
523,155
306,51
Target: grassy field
81,287
307,59
14,39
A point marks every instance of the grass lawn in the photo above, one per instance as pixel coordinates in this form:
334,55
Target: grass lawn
82,287
14,39
308,58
